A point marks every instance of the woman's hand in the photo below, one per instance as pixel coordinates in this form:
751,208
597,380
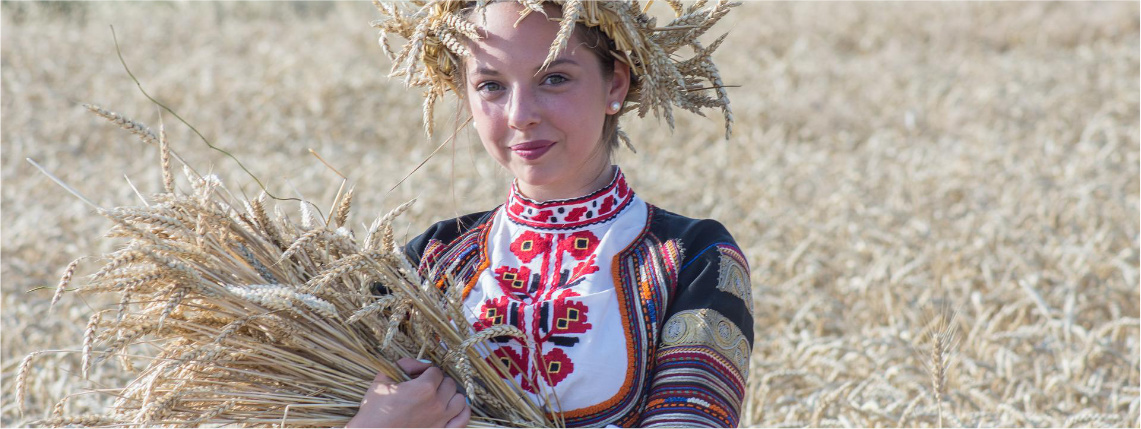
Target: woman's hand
429,399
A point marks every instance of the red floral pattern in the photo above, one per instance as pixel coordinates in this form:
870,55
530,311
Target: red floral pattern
557,366
599,207
569,317
513,280
492,312
529,245
579,245
582,270
552,247
514,361
576,214
548,265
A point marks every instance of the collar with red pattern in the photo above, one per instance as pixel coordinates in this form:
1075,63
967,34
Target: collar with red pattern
598,207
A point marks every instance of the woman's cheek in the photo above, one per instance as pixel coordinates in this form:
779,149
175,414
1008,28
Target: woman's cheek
492,128
496,127
483,116
574,107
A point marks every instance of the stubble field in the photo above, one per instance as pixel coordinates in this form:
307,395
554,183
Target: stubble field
892,164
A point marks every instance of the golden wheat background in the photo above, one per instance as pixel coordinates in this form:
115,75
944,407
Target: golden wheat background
892,164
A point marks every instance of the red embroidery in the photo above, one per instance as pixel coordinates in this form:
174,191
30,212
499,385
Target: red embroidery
607,204
582,270
549,264
579,245
569,316
512,360
575,214
557,366
529,245
492,312
596,208
513,280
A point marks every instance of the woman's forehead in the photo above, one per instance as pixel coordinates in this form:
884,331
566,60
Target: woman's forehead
509,42
500,22
507,14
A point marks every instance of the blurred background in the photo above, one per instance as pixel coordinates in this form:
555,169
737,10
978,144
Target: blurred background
892,164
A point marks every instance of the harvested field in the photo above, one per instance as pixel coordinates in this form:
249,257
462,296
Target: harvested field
892,165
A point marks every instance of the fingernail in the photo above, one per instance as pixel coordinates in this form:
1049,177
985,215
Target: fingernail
468,400
425,361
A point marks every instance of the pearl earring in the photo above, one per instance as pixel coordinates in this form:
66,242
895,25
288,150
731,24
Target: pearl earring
615,106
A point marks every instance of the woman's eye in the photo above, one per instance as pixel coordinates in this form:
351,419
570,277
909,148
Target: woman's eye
555,79
489,86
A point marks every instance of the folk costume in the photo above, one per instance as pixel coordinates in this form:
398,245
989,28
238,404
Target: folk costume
633,316
641,317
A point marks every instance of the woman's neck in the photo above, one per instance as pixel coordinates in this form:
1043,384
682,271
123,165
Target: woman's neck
591,183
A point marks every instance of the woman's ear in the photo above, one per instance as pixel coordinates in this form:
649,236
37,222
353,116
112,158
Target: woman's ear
619,83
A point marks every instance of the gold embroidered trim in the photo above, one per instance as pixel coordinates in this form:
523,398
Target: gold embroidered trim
733,277
710,328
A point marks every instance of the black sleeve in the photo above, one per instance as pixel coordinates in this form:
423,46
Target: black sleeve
442,233
702,360
414,248
436,237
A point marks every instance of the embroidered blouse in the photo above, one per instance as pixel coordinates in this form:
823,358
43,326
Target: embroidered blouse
640,317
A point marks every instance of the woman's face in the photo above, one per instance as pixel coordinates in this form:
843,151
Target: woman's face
545,126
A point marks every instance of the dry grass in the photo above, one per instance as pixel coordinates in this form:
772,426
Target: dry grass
887,161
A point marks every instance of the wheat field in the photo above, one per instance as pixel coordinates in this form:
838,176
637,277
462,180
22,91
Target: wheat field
898,171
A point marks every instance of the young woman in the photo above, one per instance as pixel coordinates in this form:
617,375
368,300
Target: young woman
640,317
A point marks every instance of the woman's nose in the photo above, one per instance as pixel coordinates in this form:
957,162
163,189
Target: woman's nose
524,110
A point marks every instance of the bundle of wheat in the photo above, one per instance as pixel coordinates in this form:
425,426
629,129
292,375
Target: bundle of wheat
246,319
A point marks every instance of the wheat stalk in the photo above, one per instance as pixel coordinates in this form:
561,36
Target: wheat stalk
64,281
943,339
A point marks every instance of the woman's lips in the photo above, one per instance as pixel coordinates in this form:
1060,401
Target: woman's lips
533,149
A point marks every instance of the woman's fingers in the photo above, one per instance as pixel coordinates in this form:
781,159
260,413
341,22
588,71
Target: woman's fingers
456,403
461,419
446,389
428,399
380,381
370,414
430,380
413,367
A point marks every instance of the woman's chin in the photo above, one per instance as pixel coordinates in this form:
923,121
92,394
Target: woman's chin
535,179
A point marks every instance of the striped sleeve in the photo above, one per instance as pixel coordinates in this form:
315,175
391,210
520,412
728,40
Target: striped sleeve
702,360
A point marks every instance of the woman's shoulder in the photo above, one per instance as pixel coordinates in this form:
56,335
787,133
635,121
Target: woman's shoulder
713,278
457,226
445,232
696,236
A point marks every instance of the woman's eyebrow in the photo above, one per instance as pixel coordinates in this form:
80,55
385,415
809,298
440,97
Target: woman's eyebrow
487,71
556,62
